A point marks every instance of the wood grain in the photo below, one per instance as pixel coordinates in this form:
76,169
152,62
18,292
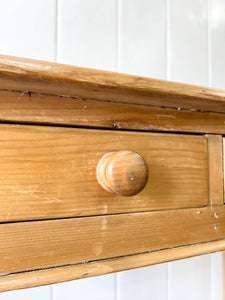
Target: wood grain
216,177
84,270
31,108
223,165
50,172
42,244
43,77
122,172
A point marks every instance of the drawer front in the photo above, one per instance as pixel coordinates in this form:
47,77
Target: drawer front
50,172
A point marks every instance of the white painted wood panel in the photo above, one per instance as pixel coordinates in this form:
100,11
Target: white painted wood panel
216,276
188,43
38,293
142,37
87,33
217,45
27,28
95,288
190,279
149,283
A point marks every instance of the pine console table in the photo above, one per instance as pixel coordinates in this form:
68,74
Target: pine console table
103,172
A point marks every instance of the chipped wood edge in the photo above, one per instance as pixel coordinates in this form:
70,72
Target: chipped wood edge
32,108
215,166
96,268
20,74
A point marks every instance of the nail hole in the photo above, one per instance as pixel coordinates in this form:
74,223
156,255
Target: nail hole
117,125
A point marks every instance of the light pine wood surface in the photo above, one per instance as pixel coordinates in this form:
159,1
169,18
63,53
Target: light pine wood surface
216,175
42,244
38,108
96,268
34,91
50,172
122,172
58,79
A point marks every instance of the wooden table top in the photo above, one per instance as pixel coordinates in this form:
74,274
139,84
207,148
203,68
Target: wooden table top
34,92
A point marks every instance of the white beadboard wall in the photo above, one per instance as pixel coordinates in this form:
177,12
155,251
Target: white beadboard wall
179,40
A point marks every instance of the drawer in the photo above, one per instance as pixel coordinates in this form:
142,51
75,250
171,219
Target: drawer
50,172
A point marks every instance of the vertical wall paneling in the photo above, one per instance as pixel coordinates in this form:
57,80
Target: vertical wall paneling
27,28
96,288
148,283
188,41
216,276
217,30
142,38
87,33
191,279
38,293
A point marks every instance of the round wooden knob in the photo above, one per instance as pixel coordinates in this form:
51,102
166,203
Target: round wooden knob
122,172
